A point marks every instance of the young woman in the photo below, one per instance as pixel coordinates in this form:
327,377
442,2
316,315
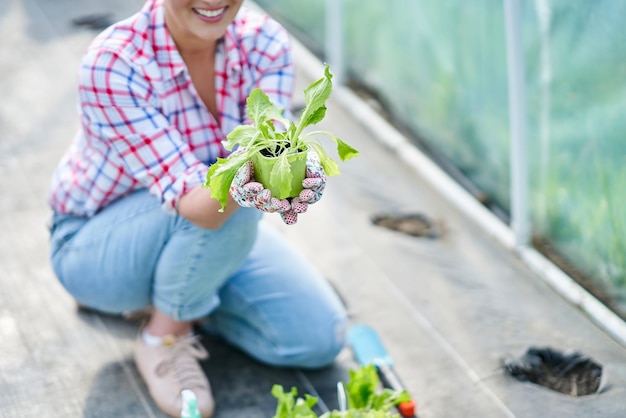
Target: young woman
134,228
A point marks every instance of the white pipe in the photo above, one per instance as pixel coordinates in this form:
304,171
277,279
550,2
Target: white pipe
575,294
544,18
333,48
517,119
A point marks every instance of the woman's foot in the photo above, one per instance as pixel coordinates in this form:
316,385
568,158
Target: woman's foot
167,355
169,365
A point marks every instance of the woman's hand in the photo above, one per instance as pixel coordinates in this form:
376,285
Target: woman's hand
199,208
249,193
313,184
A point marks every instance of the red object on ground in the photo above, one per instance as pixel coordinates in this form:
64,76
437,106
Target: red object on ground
407,409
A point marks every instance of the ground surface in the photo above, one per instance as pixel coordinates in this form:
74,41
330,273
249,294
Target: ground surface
449,308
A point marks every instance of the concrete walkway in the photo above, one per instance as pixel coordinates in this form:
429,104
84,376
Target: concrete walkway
449,309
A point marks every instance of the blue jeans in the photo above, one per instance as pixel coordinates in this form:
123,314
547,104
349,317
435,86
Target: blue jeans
244,280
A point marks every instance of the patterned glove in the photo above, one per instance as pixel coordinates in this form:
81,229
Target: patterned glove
251,194
313,184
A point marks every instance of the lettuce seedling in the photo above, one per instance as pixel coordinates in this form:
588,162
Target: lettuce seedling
271,134
364,399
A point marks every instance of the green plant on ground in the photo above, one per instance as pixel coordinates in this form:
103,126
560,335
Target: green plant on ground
364,399
273,135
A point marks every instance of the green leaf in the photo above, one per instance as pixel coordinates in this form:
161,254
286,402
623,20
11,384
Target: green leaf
258,106
315,96
285,401
281,175
221,174
344,150
242,135
302,408
328,164
291,131
290,407
362,386
316,117
267,130
261,109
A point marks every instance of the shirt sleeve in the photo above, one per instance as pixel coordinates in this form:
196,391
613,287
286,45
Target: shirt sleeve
119,107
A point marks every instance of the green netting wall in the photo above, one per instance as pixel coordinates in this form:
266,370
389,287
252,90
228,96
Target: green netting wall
440,69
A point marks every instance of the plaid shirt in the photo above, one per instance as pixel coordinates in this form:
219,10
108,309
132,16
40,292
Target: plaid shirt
143,125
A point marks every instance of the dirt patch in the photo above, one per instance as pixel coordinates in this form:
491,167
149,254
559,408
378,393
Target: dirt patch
414,224
570,373
97,21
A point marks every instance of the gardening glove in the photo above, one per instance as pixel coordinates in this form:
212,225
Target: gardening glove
251,194
313,184
289,217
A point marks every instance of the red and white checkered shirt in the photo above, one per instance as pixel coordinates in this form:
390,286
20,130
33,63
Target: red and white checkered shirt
143,125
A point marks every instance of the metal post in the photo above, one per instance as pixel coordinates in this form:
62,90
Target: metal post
333,48
517,115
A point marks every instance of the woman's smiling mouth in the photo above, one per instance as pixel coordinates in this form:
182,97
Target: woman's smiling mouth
210,15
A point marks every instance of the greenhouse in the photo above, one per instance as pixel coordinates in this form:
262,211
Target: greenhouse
455,246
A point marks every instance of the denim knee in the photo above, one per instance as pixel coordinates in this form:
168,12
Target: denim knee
319,349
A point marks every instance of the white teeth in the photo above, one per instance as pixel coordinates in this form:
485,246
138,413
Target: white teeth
210,13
